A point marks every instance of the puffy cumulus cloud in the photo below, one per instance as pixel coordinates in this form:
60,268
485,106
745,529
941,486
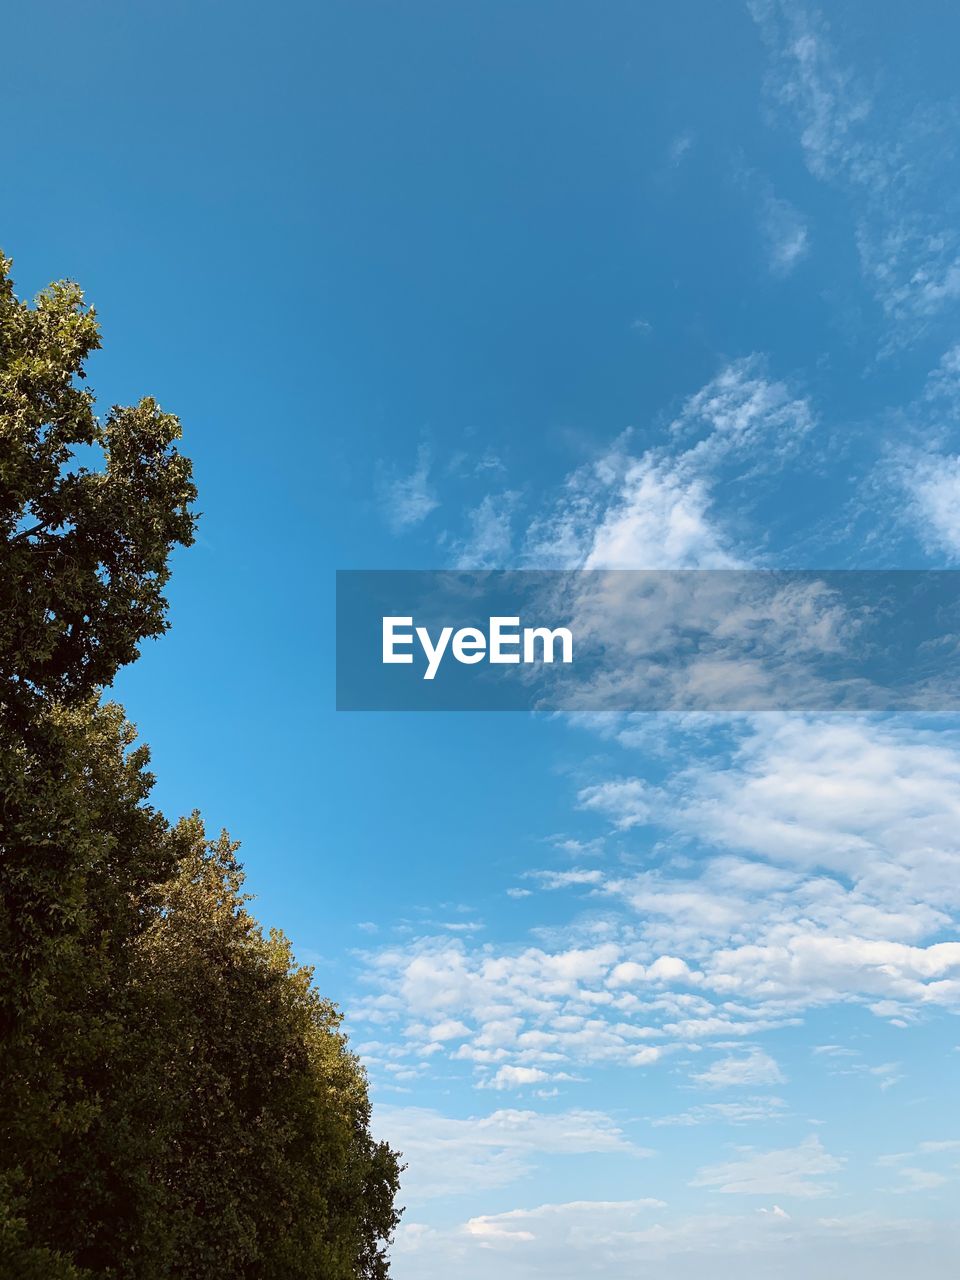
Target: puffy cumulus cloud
899,977
793,1171
833,876
448,1156
664,969
498,994
531,1014
449,1029
841,870
621,1240
753,1068
516,1077
534,1015
625,801
840,802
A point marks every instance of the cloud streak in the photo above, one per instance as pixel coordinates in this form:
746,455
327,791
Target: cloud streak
886,159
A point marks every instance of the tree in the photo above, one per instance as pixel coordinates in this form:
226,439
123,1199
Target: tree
267,1167
83,561
176,1100
84,553
82,860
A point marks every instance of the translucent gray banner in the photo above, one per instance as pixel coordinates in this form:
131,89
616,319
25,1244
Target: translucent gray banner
732,641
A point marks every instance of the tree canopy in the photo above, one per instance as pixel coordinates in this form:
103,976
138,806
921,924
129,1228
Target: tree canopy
84,549
176,1099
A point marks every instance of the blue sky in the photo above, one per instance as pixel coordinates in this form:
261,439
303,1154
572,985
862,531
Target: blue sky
552,285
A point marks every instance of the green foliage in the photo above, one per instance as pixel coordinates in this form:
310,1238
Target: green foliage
176,1100
19,1258
82,861
83,552
260,1071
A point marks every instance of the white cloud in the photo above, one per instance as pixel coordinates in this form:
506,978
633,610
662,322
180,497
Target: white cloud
754,1068
886,157
565,879
917,480
447,1156
834,1051
656,511
920,1179
449,1029
792,1171
519,1225
622,1240
409,499
833,877
761,1110
913,1170
661,519
826,99
785,234
878,803
933,483
624,800
679,147
517,1077
489,540
663,969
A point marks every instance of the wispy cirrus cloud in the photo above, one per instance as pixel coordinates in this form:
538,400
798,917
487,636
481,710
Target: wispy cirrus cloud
657,510
785,234
680,146
621,1239
408,498
753,1111
928,1167
885,156
792,1171
650,509
914,488
449,1156
488,540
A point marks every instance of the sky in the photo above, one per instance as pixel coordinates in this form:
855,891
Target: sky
552,285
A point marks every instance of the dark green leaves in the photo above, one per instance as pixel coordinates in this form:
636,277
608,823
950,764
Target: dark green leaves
84,552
